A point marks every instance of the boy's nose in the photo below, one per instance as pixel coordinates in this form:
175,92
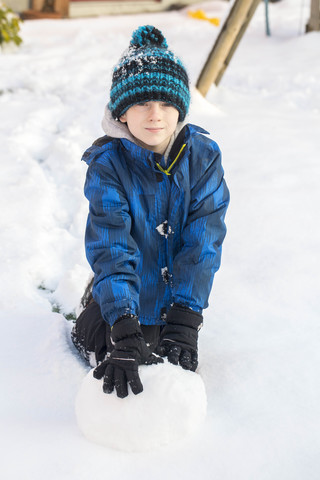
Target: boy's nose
155,111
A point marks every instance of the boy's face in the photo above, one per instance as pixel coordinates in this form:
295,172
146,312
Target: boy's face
152,123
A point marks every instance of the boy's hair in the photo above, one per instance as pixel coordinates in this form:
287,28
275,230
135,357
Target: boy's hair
149,71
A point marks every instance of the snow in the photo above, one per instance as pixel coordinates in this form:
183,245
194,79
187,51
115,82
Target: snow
164,229
172,407
259,347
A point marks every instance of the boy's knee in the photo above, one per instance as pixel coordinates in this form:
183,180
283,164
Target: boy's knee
91,335
151,334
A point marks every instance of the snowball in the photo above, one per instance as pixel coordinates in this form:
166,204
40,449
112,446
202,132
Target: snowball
171,407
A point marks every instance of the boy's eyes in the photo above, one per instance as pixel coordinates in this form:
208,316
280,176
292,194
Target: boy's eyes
146,104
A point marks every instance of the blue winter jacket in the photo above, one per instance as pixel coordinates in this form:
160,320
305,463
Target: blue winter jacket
154,232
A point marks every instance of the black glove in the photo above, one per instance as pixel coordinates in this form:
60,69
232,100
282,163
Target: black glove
130,350
179,337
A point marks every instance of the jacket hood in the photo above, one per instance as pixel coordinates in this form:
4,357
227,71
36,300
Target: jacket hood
115,129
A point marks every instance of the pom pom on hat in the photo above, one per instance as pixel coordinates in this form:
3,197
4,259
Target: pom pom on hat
149,71
148,35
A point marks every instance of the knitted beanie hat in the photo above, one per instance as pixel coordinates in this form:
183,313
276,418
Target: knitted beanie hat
149,71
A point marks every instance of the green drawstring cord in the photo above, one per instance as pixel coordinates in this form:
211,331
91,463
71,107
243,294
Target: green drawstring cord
167,172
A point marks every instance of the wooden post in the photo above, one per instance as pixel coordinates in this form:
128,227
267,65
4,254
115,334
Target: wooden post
228,39
314,20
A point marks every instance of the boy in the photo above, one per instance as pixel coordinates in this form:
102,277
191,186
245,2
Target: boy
157,201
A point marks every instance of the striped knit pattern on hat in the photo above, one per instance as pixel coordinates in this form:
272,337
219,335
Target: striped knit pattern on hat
149,71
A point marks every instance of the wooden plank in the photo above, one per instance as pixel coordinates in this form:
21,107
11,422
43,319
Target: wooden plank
47,9
226,44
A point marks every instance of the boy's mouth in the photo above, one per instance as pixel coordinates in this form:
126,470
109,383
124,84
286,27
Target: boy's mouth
154,129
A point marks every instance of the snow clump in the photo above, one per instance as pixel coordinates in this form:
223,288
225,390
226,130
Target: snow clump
171,407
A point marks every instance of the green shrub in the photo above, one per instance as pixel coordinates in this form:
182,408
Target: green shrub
9,25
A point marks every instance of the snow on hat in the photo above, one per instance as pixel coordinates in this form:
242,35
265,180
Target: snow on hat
149,71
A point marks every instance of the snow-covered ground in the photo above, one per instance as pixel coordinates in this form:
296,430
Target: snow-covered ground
259,349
